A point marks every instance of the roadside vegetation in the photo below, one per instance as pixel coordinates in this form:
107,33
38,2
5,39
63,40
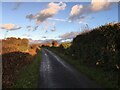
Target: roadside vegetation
29,75
18,58
96,53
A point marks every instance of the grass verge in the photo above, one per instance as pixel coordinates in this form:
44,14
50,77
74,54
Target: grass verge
28,76
95,74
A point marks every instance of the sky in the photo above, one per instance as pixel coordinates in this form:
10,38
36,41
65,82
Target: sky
54,20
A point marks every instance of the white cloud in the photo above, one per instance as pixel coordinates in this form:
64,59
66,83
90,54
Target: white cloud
49,26
50,11
30,17
66,40
28,27
57,19
46,24
53,29
35,28
98,5
78,11
10,27
69,35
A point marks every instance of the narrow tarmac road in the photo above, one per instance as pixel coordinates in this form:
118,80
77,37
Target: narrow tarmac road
56,73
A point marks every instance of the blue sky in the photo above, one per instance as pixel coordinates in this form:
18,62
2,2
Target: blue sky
15,13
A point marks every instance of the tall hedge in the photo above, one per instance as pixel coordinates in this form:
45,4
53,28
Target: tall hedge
99,47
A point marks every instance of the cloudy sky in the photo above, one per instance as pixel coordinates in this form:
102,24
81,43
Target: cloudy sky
54,20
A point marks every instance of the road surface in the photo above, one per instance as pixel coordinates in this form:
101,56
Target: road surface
56,73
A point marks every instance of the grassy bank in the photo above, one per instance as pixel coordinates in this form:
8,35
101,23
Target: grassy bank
104,79
28,76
